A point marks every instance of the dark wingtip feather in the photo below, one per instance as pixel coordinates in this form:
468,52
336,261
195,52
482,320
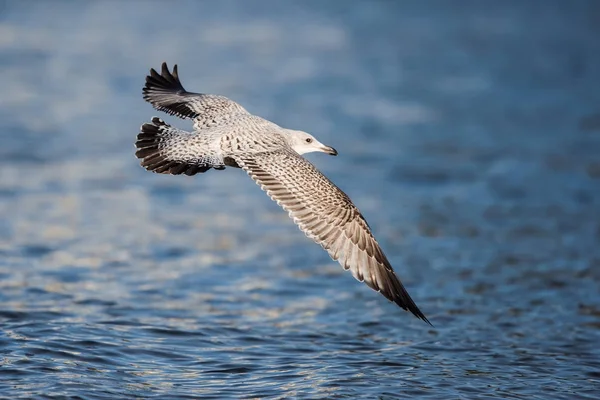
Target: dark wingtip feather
166,93
418,313
395,291
165,81
404,300
164,69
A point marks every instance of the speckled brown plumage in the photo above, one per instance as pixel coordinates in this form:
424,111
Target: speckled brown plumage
327,216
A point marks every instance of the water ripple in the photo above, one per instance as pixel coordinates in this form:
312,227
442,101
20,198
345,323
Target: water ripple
468,136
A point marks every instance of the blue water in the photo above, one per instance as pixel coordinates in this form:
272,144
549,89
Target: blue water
469,137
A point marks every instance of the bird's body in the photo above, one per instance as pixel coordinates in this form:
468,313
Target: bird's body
225,134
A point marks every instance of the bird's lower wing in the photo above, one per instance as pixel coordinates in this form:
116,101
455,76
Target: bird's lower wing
326,215
167,150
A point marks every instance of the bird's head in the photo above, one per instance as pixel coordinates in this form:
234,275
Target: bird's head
303,142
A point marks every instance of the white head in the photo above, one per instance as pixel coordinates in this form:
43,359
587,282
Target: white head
303,142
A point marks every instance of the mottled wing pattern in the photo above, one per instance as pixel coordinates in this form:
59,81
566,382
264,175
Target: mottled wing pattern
167,150
326,215
166,93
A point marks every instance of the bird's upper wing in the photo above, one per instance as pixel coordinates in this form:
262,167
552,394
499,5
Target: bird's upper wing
326,215
166,93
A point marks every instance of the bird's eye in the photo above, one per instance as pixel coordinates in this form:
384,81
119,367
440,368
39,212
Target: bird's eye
308,140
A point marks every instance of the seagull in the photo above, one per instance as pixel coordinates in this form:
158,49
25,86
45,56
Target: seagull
226,135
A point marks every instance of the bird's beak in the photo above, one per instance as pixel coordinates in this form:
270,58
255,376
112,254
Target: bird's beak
329,150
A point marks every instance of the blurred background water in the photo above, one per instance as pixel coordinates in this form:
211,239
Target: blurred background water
469,136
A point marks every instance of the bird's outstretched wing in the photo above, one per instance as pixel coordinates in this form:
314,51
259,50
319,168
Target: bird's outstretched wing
167,150
166,93
328,216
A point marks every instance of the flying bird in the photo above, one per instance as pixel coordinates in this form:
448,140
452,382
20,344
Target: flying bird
226,135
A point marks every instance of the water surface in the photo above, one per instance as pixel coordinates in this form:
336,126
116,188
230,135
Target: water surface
469,136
